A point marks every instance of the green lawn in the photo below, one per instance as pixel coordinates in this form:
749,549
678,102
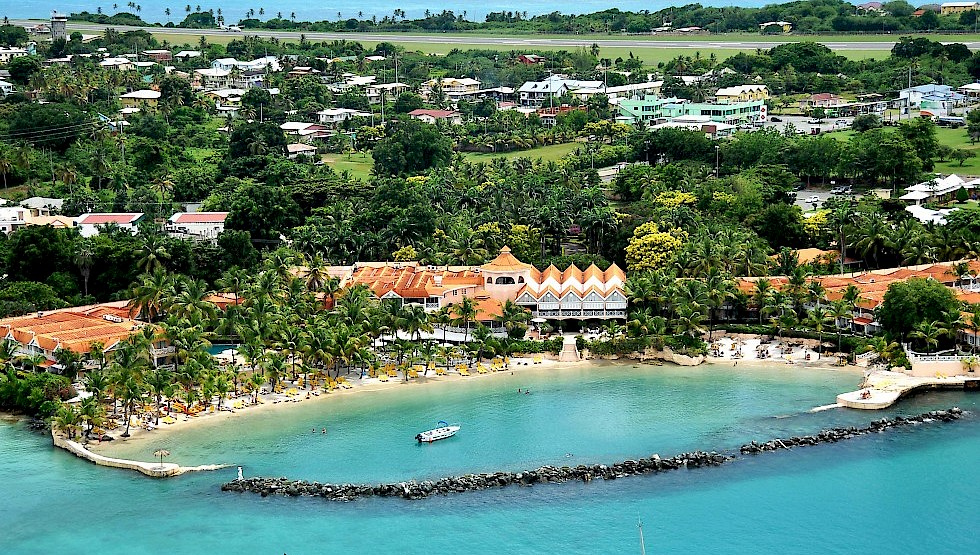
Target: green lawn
955,138
358,164
546,153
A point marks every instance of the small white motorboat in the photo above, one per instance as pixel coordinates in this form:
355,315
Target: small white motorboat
442,432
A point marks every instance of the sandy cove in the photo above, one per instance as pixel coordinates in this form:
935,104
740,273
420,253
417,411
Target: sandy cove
272,401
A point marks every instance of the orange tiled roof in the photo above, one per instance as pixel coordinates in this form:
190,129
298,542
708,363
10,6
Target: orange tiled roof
505,262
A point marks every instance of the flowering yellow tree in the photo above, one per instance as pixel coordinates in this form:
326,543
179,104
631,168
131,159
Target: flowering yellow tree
673,199
649,248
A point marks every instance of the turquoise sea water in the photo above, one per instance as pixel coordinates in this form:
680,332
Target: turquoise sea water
905,491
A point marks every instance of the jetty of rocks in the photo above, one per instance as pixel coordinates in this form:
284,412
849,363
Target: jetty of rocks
554,474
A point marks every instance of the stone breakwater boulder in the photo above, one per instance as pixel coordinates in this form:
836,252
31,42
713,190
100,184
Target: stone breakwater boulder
556,475
834,435
475,482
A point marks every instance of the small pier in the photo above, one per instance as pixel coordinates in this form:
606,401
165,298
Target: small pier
884,388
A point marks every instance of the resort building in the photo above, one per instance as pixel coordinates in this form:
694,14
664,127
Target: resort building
621,91
79,329
197,225
936,99
90,224
572,294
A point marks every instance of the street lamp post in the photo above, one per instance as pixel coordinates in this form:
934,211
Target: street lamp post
717,155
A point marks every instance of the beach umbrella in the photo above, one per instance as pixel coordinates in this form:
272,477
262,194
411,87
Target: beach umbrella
161,453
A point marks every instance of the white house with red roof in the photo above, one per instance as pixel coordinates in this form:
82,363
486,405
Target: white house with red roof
89,225
197,225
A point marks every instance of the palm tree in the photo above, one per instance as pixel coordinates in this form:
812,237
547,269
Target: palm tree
840,310
928,333
719,290
465,312
159,383
149,294
67,419
763,289
92,413
818,317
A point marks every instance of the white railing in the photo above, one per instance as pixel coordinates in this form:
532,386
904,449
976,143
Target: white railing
865,356
165,351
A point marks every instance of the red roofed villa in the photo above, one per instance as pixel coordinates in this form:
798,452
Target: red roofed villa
89,224
197,225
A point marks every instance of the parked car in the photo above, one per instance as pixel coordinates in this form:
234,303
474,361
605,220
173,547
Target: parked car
774,119
814,121
813,199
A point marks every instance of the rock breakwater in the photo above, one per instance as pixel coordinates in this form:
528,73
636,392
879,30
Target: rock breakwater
834,435
474,482
556,475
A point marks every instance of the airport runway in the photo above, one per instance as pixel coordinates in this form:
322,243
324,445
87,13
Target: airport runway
485,40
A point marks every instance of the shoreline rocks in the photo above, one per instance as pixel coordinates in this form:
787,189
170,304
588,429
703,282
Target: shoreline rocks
556,475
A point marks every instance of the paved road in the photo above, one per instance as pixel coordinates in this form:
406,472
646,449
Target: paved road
529,41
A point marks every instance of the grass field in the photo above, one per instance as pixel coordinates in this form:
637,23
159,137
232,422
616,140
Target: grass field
955,138
358,164
546,153
652,54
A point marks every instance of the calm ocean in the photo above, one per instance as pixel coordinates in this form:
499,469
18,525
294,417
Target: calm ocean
476,10
904,491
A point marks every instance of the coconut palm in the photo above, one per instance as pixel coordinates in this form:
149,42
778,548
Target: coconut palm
159,383
149,294
928,333
817,319
840,310
68,420
465,312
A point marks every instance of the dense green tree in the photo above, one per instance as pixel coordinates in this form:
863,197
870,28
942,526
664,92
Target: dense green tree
908,304
411,148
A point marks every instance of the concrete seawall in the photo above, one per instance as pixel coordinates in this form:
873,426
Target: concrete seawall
885,388
153,469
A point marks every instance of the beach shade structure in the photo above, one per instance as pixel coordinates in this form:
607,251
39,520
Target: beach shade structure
161,453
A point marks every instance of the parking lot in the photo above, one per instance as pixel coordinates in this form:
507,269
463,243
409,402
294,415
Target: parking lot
801,124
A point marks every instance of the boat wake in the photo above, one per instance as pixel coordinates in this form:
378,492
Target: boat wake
826,407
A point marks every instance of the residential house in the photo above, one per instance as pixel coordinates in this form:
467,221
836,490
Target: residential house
742,93
433,116
531,59
57,222
197,225
9,53
333,117
950,8
971,90
158,55
821,100
870,8
119,64
301,71
621,91
265,63
305,132
294,150
549,116
12,218
90,224
376,93
144,98
6,88
43,206
784,26
211,79
538,93
454,88
187,54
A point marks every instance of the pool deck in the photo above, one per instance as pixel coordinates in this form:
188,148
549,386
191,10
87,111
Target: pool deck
884,388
